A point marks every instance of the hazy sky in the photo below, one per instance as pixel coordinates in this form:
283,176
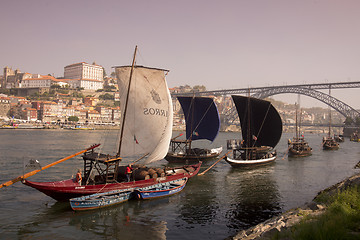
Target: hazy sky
219,44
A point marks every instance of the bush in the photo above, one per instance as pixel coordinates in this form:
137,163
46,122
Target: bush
340,221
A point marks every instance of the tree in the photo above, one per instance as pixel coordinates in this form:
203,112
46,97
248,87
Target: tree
104,73
348,121
357,121
73,119
199,88
55,85
107,96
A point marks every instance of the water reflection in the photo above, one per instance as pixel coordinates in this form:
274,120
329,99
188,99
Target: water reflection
200,205
253,196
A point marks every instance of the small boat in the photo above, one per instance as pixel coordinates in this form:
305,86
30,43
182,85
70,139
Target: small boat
298,146
202,122
261,129
328,142
161,189
355,137
100,200
80,127
339,138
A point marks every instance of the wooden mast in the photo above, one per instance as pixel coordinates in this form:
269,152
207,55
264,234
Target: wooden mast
126,103
249,137
329,113
296,122
192,108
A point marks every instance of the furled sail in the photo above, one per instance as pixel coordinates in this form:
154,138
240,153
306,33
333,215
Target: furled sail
201,116
261,124
149,114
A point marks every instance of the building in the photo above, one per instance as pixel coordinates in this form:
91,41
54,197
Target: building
13,78
84,70
4,106
105,113
116,114
30,114
93,116
41,82
90,101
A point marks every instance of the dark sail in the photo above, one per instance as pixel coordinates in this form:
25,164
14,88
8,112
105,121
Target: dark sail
201,116
261,124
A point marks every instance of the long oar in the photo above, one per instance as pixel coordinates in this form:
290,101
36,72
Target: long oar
200,174
286,152
29,174
177,136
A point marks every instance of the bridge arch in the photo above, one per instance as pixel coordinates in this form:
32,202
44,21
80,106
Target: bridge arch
336,104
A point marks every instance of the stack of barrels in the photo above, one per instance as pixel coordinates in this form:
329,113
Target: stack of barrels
141,172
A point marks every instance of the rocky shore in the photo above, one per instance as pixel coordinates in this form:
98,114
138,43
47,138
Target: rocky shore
271,227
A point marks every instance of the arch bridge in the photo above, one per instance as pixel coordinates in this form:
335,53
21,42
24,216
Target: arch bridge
310,90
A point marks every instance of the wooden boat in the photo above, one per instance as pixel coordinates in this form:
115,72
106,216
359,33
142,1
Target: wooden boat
339,138
149,102
100,200
298,146
328,142
355,137
161,189
202,122
261,129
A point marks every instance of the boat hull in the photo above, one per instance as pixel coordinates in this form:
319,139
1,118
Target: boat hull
67,189
330,144
296,153
100,200
244,163
188,158
162,189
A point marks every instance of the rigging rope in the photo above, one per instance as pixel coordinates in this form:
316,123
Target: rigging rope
262,124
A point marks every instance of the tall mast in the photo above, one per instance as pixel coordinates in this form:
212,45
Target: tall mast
249,137
126,103
329,113
296,122
191,112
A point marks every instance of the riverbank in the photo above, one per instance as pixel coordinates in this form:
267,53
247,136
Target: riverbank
282,227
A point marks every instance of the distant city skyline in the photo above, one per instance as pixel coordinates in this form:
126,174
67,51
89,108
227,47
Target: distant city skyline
218,44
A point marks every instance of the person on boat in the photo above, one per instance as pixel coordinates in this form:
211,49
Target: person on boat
128,172
78,177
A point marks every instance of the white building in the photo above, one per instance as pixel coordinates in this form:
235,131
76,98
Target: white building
84,70
41,82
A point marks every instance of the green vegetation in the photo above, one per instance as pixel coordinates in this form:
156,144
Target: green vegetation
106,96
73,119
340,221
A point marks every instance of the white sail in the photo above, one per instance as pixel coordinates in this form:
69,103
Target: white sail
148,120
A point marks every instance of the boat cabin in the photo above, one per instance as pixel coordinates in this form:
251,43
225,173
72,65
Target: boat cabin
100,168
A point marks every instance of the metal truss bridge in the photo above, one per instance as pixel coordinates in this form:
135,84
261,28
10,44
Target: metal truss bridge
310,90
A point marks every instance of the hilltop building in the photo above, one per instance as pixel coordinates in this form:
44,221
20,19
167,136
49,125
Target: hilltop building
13,78
39,81
84,70
84,75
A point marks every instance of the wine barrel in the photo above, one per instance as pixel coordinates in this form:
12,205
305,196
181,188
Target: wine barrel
160,172
140,174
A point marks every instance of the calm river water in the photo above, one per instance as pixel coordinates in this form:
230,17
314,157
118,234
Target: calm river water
213,206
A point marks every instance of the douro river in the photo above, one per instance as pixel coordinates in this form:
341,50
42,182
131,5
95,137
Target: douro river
213,206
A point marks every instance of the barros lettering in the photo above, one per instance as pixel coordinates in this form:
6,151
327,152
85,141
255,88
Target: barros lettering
155,111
